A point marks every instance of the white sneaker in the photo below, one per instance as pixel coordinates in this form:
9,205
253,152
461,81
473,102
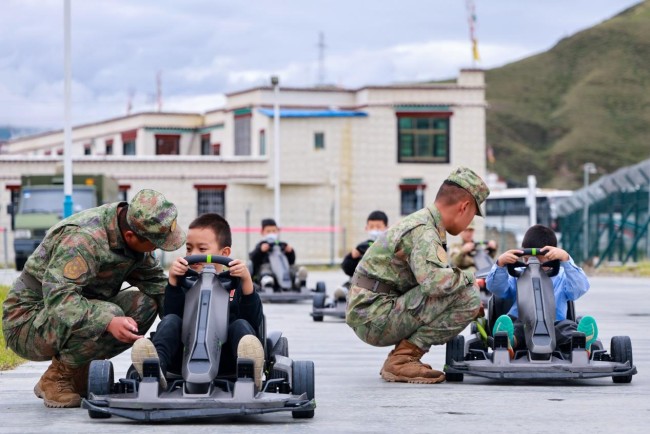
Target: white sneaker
144,349
251,348
266,282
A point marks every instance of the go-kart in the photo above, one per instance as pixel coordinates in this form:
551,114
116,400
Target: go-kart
487,356
279,285
202,391
483,263
335,306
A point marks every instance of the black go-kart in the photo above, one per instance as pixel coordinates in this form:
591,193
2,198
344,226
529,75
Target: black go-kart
487,356
483,263
282,286
333,306
201,392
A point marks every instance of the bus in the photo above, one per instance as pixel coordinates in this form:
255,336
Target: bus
507,215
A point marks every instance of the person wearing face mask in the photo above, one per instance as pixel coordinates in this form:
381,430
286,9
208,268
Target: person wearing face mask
259,257
376,224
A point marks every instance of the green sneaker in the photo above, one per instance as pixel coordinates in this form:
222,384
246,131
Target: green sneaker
590,329
504,324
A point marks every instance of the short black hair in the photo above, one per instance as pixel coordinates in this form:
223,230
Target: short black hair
539,236
268,222
124,224
451,193
219,226
378,215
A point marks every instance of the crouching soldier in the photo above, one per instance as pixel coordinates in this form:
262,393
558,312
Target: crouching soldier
404,292
67,305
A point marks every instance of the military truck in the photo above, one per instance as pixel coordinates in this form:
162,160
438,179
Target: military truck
40,206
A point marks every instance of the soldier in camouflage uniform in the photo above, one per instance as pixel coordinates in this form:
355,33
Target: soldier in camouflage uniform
462,253
68,306
404,292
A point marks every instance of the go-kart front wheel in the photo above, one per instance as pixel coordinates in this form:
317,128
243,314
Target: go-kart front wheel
621,349
303,382
100,382
318,302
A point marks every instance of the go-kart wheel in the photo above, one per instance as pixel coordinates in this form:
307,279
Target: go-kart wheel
320,287
303,382
100,382
318,302
621,349
455,352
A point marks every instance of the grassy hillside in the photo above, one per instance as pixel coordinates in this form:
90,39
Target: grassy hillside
586,99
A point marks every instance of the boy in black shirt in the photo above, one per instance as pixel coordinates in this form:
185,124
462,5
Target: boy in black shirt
208,234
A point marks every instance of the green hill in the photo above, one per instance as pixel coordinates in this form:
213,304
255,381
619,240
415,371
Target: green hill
586,99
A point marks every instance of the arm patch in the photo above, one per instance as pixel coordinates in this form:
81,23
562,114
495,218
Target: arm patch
75,268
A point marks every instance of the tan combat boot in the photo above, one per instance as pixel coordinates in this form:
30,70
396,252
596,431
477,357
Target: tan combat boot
403,365
56,386
80,380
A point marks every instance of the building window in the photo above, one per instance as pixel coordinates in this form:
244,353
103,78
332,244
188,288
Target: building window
211,198
423,137
206,148
319,140
109,147
124,192
216,149
411,195
243,135
128,142
167,144
262,142
59,152
87,149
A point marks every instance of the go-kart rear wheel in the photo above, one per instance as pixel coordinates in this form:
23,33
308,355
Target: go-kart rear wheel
621,350
100,382
318,302
455,352
303,382
320,287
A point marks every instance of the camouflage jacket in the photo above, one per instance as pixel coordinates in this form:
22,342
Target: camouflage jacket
410,254
82,257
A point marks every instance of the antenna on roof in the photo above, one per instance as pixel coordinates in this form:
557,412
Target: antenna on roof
129,101
159,90
321,58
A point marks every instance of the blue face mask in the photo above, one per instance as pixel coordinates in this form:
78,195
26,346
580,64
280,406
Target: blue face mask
271,238
373,235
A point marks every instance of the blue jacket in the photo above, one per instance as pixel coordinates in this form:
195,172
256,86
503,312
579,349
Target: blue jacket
569,284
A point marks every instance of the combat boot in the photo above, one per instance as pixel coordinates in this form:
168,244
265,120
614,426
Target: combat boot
80,380
403,365
56,386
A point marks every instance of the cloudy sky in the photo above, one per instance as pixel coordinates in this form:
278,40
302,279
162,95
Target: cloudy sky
205,48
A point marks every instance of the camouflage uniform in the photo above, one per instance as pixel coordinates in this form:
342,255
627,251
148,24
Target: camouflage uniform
429,302
69,290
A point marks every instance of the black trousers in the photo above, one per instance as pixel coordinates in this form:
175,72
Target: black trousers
169,346
563,332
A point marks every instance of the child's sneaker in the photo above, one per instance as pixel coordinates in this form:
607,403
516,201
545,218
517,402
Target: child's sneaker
504,324
144,349
588,326
251,348
340,294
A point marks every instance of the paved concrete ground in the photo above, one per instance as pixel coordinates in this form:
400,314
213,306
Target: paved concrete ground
351,396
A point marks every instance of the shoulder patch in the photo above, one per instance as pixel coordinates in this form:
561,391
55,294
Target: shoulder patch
442,254
75,268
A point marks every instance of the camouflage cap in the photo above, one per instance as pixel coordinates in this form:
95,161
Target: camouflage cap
153,217
470,181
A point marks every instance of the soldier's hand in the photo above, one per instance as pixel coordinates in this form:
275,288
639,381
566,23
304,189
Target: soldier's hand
468,247
177,269
264,247
124,329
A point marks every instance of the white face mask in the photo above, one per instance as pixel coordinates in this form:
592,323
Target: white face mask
271,238
373,235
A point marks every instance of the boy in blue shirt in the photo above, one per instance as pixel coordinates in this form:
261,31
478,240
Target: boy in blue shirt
208,234
569,284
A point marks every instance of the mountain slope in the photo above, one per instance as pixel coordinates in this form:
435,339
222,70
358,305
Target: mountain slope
586,99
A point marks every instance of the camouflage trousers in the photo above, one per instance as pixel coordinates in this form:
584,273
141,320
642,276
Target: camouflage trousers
42,336
422,318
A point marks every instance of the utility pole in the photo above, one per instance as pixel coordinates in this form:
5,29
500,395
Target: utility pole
68,204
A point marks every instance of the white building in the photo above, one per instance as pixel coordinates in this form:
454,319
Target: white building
344,153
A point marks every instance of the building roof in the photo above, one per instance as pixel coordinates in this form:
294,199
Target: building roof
314,113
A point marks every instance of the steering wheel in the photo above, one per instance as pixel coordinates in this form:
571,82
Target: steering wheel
190,276
554,264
